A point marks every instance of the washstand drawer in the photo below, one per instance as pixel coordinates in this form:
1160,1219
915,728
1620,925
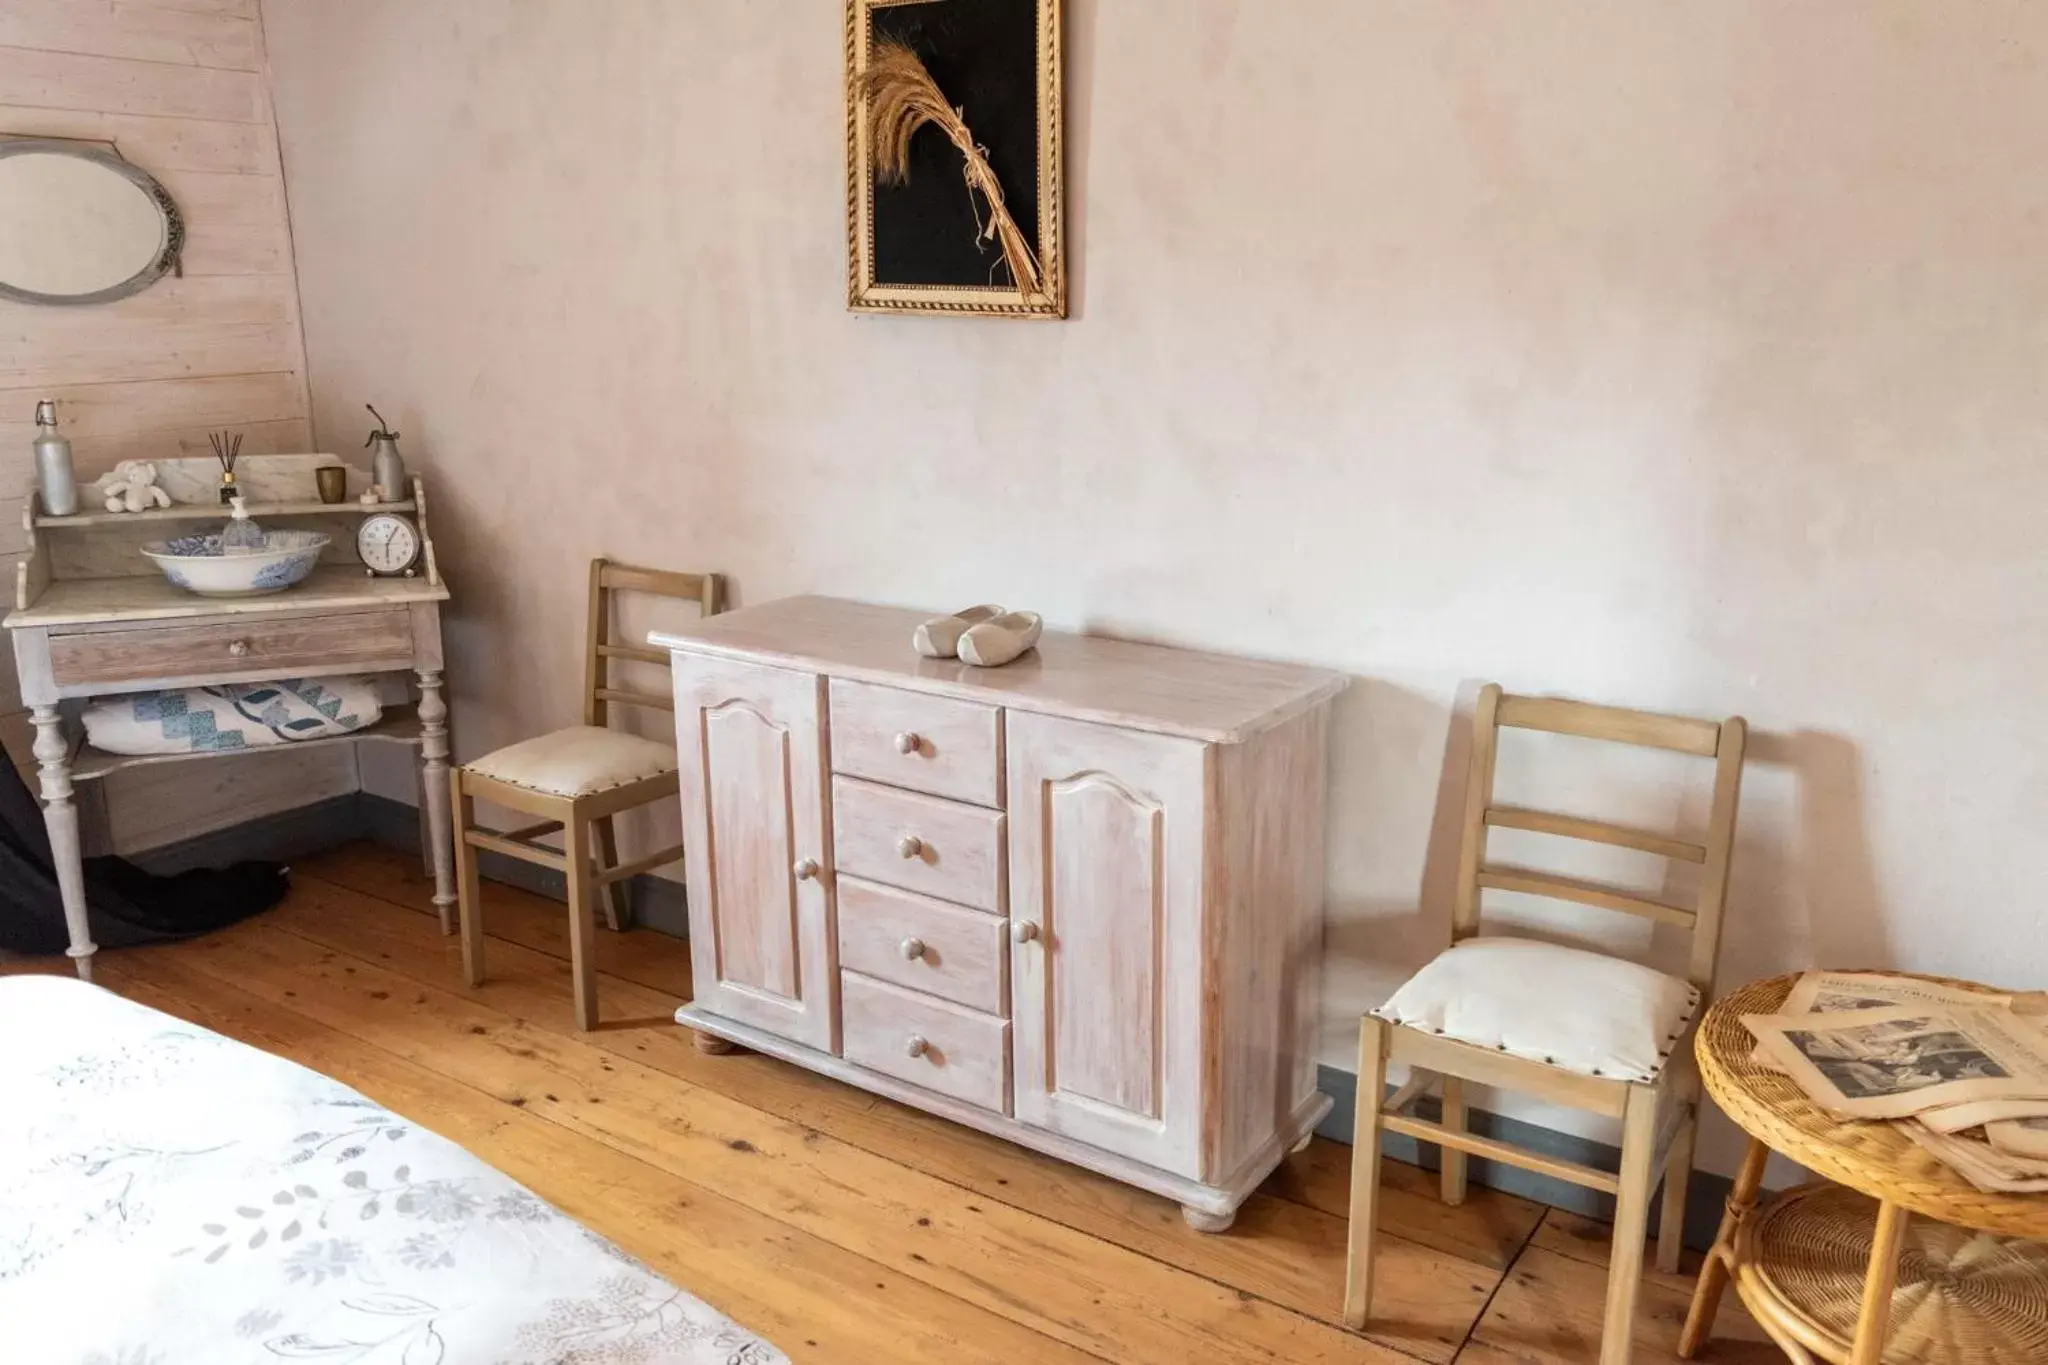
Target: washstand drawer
919,843
925,743
926,1042
236,647
922,944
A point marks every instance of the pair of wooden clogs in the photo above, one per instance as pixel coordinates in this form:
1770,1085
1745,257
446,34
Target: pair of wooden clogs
984,636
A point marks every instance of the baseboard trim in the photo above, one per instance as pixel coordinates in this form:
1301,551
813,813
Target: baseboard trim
657,902
278,837
1705,1197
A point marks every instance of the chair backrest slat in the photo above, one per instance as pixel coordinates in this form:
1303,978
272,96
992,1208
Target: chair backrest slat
1493,876
645,656
626,698
1722,741
1701,738
707,590
1595,831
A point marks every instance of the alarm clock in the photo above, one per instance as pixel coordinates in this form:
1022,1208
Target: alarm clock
388,545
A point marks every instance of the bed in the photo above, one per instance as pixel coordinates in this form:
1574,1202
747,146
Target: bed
169,1196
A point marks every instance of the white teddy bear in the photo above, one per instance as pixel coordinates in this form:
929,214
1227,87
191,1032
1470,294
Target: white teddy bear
132,487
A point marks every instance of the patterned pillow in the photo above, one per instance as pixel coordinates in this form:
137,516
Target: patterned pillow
236,716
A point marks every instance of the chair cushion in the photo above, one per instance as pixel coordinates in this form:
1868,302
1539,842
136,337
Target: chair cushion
1580,1011
577,761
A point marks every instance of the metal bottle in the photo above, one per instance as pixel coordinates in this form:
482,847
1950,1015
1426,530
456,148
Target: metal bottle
54,474
387,466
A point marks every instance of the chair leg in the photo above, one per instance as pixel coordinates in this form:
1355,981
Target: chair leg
1365,1170
469,904
1677,1181
582,893
1453,1161
618,903
1631,1222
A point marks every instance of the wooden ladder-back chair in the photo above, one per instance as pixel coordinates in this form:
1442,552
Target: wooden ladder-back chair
576,780
1573,1027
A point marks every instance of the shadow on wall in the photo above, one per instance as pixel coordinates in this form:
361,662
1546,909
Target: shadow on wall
1387,741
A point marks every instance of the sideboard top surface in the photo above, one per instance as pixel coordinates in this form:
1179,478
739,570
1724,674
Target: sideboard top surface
1213,697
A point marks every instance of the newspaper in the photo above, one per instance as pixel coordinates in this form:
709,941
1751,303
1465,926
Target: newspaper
1990,1170
2027,1137
1829,992
1832,992
1954,1118
1894,1062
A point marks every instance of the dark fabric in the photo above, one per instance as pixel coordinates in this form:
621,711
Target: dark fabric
124,904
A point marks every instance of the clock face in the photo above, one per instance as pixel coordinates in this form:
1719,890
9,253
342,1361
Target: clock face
387,544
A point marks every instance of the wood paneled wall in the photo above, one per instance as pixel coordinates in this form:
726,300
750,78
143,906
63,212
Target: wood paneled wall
178,86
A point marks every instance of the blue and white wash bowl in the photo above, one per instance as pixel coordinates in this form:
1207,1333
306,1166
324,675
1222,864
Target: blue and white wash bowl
197,564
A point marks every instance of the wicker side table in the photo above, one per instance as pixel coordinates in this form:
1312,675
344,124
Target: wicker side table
1840,1272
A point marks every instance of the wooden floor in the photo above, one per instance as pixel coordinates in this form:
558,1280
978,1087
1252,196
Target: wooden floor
842,1227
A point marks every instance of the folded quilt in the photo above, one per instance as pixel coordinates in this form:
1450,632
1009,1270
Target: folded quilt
233,716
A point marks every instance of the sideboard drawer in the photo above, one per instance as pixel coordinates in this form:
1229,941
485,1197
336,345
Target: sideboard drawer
926,1042
251,646
922,944
920,843
910,739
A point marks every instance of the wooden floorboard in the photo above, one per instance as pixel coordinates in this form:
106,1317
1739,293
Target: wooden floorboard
841,1226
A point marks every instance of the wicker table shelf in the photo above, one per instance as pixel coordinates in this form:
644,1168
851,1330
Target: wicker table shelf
1840,1272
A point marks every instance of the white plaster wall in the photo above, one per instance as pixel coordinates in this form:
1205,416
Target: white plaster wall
1690,356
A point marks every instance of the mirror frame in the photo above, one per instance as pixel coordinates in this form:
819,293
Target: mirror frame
174,225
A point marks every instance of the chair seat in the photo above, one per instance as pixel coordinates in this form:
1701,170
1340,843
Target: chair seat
1566,1007
578,761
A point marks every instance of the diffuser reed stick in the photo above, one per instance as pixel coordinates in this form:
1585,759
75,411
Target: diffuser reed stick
227,448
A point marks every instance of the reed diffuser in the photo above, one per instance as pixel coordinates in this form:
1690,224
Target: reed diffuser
227,448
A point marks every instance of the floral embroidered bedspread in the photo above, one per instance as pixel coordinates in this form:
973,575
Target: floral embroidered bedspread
169,1196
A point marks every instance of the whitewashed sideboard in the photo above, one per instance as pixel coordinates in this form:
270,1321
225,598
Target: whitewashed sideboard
1075,901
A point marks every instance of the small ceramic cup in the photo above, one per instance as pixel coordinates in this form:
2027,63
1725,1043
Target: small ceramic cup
332,480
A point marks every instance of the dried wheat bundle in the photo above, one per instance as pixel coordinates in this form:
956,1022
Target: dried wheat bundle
902,97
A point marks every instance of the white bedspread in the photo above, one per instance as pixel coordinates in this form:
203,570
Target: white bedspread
172,1197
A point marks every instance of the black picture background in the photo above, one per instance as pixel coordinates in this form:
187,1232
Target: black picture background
984,56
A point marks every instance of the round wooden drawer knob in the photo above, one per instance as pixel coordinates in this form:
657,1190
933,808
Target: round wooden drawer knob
238,648
908,742
913,948
805,869
1023,931
910,846
917,1046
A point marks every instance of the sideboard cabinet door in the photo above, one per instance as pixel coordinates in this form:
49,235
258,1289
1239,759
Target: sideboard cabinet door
1106,860
756,857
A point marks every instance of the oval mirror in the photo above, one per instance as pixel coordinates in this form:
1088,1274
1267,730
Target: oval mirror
80,225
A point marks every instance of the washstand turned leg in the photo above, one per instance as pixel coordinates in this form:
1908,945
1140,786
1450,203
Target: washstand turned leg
434,776
60,817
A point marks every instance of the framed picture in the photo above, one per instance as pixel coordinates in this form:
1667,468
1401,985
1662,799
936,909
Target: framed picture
953,170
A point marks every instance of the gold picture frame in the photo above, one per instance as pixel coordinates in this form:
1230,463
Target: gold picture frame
898,279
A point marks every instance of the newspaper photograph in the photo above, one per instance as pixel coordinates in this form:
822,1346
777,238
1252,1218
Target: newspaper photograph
2027,1138
1895,1062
